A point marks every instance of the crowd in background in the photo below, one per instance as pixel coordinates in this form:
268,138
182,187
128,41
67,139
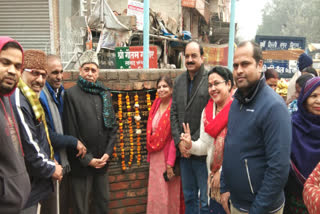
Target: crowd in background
218,141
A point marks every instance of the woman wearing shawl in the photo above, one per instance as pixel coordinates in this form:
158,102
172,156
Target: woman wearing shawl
305,148
213,130
163,195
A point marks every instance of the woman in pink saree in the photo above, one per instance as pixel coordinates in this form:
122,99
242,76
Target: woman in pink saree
164,186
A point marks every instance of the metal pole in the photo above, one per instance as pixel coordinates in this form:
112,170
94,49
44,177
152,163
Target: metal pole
146,34
231,34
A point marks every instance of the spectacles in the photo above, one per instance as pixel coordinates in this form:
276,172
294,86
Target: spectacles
215,84
36,73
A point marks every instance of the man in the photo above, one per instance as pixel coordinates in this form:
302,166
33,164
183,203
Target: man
88,115
52,103
257,148
14,179
41,165
190,96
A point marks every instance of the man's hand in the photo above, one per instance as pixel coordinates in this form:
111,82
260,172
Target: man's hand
57,175
82,150
224,201
184,151
97,163
105,158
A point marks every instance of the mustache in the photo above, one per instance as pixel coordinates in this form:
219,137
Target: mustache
190,63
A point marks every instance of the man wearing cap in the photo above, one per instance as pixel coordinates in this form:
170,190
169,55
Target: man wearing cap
39,155
304,63
14,179
88,115
52,103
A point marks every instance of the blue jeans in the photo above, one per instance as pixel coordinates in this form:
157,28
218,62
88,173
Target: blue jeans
194,176
216,208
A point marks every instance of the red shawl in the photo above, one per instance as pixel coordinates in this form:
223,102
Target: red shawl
217,128
157,140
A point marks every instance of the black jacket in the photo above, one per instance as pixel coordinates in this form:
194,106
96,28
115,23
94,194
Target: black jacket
188,110
36,149
14,180
82,118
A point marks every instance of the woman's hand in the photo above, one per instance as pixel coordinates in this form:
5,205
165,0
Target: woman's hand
186,136
170,172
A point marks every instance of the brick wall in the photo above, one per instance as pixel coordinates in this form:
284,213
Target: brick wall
128,189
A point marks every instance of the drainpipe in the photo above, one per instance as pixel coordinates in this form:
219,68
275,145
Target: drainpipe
231,35
146,34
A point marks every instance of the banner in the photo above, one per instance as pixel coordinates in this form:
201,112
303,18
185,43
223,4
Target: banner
132,57
216,55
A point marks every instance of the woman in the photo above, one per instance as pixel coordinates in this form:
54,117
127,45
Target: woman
305,147
213,130
272,78
311,191
164,186
301,81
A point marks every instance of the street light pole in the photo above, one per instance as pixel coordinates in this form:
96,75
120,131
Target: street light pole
146,34
231,35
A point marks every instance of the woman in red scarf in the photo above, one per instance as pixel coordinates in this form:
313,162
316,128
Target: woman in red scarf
163,196
213,130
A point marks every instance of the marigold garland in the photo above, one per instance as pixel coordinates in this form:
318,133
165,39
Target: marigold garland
115,147
148,101
137,118
130,129
123,161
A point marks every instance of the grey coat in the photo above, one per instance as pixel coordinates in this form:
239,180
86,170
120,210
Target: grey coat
188,111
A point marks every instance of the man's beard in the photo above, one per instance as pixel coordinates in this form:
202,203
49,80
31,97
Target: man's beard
4,90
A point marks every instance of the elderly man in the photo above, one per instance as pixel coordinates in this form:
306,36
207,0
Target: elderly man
14,179
256,157
88,115
52,103
39,155
190,96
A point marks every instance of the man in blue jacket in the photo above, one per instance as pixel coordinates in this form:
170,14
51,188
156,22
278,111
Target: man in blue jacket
257,148
51,98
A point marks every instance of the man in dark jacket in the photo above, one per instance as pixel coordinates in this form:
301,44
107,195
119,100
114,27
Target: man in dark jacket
39,156
88,115
190,96
52,103
14,180
257,147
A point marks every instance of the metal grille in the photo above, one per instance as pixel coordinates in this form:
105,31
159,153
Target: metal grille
26,21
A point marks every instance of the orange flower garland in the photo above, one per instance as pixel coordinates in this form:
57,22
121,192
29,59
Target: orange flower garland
115,147
137,118
148,101
123,161
130,129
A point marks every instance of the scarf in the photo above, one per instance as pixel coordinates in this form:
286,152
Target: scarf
38,111
158,139
217,128
56,122
98,88
305,147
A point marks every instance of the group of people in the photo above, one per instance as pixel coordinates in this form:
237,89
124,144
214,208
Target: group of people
218,141
53,139
235,146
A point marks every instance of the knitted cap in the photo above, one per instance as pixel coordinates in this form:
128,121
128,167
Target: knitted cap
89,57
304,61
35,59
